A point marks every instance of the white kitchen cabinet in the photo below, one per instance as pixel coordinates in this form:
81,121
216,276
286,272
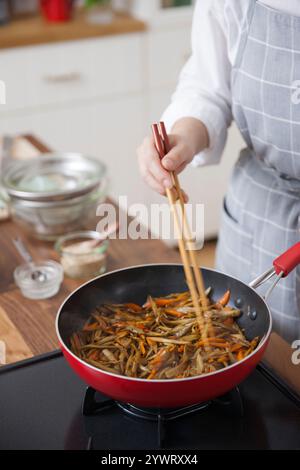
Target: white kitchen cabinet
62,128
71,71
108,130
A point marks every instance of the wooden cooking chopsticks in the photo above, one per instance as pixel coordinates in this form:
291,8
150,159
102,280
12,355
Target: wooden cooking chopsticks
193,275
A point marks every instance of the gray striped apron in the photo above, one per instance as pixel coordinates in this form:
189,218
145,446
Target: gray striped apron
261,213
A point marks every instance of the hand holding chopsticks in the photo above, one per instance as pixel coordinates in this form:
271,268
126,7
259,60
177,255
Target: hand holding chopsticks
193,275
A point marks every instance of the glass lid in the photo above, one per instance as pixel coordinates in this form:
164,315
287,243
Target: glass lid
53,177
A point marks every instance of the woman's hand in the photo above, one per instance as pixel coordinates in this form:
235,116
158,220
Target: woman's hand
154,171
189,136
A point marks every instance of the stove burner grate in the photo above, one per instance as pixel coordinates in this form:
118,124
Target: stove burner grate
156,414
160,416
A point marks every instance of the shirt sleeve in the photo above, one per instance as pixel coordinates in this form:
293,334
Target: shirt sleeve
203,91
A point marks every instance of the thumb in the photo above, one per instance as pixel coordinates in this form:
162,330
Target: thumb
174,159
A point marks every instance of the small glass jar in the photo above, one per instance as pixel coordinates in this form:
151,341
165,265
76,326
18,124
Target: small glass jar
39,280
83,255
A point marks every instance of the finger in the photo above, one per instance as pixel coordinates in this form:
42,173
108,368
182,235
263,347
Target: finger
181,168
161,175
154,184
185,196
174,159
147,151
150,161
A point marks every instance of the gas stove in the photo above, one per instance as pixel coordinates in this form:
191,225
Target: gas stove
44,405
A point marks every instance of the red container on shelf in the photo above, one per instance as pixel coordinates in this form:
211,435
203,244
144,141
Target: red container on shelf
57,10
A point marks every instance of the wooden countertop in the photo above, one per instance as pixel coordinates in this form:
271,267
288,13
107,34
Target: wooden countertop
35,30
27,326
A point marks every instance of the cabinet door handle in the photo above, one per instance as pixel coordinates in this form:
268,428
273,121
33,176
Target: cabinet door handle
62,77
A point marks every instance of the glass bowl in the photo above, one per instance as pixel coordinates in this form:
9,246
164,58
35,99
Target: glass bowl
83,255
42,286
56,194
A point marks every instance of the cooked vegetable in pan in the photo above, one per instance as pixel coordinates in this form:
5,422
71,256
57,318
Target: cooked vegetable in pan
161,339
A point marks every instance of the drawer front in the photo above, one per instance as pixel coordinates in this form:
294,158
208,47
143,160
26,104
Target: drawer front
71,71
168,52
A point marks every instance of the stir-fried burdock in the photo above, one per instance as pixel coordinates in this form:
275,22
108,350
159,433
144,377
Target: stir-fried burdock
161,339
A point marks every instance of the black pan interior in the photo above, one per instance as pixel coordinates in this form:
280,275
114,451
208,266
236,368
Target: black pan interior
135,284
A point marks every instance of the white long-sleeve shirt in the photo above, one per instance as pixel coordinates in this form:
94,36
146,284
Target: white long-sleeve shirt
203,91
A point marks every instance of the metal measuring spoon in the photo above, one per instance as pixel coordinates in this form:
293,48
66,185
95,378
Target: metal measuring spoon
36,274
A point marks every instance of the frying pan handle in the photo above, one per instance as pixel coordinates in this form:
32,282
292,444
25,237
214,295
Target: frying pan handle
282,266
288,261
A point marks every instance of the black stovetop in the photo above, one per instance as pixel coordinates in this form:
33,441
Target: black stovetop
41,408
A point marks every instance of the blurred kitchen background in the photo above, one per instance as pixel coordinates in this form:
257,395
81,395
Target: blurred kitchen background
91,76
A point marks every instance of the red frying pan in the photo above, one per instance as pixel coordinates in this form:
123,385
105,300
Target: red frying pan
134,285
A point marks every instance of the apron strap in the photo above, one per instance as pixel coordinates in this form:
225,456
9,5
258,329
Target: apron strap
245,32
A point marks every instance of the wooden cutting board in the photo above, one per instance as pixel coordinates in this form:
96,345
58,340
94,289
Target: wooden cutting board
14,347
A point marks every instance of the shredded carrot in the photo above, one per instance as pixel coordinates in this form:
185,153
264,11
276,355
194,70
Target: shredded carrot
140,325
122,334
163,302
150,342
252,347
236,347
216,344
158,359
142,348
91,327
152,374
93,355
240,355
254,343
225,299
121,324
180,296
76,341
213,341
172,311
160,302
134,307
211,332
223,358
